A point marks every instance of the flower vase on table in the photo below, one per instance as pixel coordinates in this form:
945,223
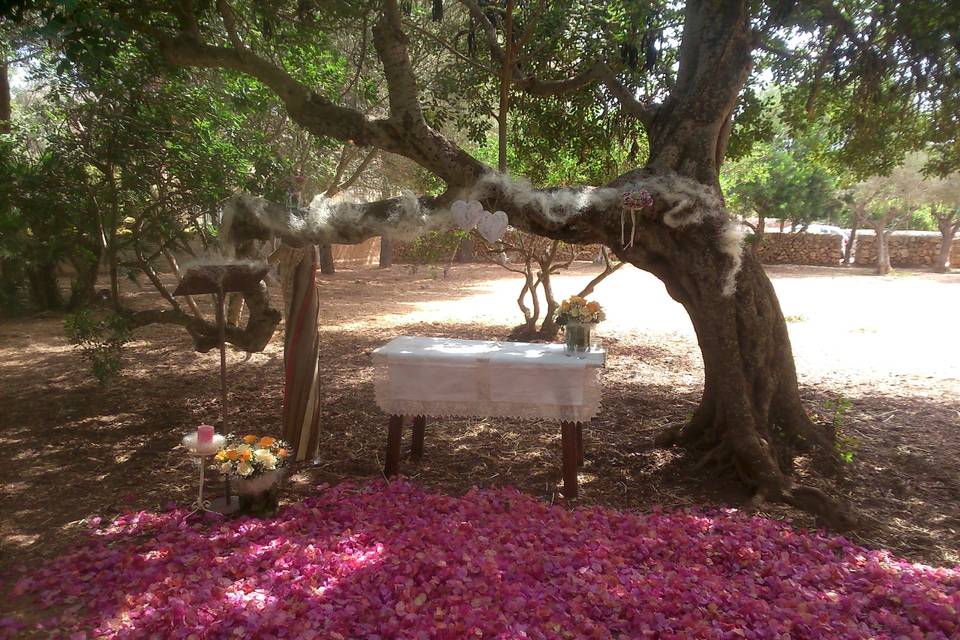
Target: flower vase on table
255,467
578,319
576,337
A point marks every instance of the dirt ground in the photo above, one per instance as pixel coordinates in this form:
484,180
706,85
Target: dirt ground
888,345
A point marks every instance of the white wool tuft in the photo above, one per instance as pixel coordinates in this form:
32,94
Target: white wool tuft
731,243
690,202
556,205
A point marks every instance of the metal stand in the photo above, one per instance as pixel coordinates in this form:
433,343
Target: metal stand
218,278
222,326
201,505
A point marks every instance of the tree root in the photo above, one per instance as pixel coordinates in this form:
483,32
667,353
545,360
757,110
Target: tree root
834,514
718,453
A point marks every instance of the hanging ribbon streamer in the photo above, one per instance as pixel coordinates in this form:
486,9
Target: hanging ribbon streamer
633,201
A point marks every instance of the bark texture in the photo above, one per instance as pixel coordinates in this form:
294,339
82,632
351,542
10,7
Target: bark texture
5,109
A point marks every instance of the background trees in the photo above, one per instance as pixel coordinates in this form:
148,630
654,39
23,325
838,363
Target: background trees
783,180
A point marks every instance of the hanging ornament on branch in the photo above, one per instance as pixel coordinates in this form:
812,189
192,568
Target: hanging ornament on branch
437,10
633,201
470,215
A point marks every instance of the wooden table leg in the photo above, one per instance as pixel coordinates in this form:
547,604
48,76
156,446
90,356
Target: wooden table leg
394,436
419,425
568,434
579,444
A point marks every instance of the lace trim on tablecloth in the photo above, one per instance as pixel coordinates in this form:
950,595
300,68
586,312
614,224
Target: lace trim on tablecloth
488,408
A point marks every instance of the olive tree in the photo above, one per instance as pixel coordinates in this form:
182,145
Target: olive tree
682,72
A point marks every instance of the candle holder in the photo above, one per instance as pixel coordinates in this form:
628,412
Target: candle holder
201,453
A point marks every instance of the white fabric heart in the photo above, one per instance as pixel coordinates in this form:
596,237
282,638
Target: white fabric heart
492,226
459,211
474,213
466,214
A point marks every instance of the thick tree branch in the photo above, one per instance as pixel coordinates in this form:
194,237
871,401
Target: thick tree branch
230,23
832,15
594,72
322,117
390,41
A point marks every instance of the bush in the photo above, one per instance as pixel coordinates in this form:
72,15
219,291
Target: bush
100,337
430,248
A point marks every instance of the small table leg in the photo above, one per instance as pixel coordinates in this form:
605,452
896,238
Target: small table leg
568,433
394,436
419,425
579,444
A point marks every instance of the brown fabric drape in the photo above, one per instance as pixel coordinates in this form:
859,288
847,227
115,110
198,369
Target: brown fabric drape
301,400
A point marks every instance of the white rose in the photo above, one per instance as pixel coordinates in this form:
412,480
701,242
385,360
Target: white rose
225,468
267,459
244,468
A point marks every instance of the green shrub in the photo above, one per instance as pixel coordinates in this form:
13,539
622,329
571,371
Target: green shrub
433,247
845,443
99,336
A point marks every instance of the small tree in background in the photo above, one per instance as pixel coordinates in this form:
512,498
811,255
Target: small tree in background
781,180
538,259
944,201
888,201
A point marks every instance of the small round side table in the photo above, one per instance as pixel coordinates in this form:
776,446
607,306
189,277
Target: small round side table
201,455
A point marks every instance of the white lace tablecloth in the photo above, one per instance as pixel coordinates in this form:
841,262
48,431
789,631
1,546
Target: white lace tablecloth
449,377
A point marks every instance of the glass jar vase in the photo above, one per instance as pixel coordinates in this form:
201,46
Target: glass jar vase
577,337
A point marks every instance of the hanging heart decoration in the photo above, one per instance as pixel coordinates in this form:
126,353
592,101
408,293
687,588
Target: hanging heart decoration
474,213
492,226
459,212
466,214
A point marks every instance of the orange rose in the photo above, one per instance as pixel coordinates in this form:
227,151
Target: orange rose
250,439
282,453
232,454
266,441
244,455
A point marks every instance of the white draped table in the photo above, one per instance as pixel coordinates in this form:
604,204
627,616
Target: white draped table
438,377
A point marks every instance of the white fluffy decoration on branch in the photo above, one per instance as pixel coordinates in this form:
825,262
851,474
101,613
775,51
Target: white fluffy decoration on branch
556,205
690,202
731,243
324,220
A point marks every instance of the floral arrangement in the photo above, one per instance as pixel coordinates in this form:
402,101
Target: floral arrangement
251,456
637,200
577,309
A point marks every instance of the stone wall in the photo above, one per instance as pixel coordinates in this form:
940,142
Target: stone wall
912,249
801,248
